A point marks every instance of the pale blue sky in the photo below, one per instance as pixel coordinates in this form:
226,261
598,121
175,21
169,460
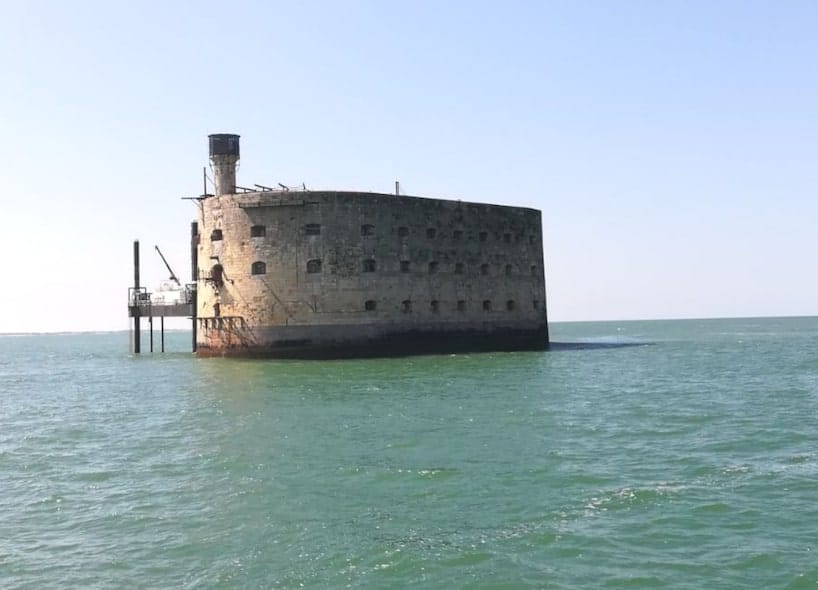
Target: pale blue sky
671,146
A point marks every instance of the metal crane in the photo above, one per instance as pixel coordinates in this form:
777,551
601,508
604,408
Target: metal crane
170,270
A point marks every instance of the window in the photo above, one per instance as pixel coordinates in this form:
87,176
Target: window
431,233
461,305
217,275
483,236
507,238
510,305
258,231
533,270
433,266
313,265
369,265
406,306
403,231
487,305
258,268
367,230
458,234
508,269
370,305
458,268
312,229
404,266
484,269
216,235
434,305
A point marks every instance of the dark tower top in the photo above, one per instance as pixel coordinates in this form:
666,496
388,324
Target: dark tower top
224,144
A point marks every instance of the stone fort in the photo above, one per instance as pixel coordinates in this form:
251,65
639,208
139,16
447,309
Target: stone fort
304,273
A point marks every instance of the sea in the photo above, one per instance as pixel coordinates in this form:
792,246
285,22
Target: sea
660,454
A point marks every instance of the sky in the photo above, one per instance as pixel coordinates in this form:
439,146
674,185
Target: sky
671,146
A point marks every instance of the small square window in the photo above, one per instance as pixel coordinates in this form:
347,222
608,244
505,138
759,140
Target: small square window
258,268
487,305
258,231
370,305
484,236
404,266
216,235
367,230
403,232
313,229
314,266
369,265
431,233
510,305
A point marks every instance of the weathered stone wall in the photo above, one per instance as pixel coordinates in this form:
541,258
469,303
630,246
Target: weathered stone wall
305,267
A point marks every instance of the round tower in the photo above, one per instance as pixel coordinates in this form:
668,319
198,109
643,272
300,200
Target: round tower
224,154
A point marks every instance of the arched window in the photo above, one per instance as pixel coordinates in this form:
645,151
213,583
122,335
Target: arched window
433,266
367,230
369,265
487,305
484,269
258,268
406,306
258,231
510,305
314,265
216,235
434,305
217,275
370,305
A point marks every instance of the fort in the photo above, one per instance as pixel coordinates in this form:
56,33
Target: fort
323,274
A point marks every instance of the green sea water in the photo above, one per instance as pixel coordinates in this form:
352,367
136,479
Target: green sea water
668,454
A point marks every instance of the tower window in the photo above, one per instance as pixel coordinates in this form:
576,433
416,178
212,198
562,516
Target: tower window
510,305
312,229
434,305
370,305
458,234
403,231
431,233
369,265
484,236
487,305
458,268
258,268
216,235
508,269
461,305
507,238
406,306
404,266
314,265
433,267
367,230
484,269
258,231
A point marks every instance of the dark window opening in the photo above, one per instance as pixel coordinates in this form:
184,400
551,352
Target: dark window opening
458,268
369,265
217,275
507,238
370,305
216,235
258,231
406,306
312,229
431,233
435,306
487,305
433,266
483,236
258,268
404,266
461,305
484,269
403,232
367,230
510,305
508,269
314,265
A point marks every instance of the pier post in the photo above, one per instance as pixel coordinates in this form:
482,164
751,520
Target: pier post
194,275
162,331
136,323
